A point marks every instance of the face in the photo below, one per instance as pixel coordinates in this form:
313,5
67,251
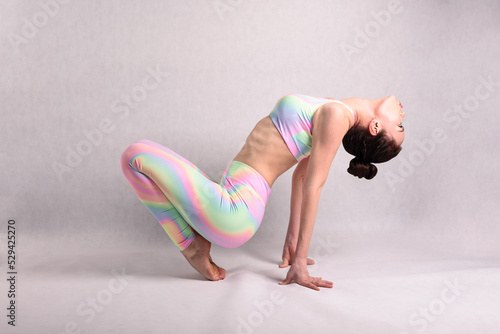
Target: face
389,113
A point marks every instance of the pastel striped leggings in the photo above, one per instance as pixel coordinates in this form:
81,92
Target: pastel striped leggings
182,198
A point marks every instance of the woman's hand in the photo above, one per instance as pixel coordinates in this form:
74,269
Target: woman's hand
289,255
299,274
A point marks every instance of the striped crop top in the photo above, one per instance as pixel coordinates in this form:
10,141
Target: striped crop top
292,115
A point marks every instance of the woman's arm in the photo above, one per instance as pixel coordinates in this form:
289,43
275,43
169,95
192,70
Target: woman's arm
330,127
292,233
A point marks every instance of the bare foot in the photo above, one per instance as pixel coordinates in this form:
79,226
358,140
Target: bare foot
198,256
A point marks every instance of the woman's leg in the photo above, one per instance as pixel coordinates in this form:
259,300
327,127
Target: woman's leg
154,199
183,198
179,231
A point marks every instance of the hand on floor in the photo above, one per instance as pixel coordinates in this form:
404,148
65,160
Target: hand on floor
299,274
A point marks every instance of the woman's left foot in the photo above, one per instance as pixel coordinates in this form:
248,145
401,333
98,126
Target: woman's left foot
198,256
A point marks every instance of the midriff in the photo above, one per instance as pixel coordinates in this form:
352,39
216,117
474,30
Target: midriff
266,151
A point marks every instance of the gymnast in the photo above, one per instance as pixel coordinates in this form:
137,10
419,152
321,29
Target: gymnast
196,211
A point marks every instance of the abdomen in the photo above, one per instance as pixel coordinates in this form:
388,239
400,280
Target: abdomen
266,151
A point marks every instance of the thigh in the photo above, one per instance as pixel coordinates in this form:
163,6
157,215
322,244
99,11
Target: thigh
223,213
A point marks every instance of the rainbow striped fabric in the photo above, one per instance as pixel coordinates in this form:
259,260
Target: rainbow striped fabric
182,198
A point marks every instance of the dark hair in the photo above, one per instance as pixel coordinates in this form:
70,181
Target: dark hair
368,149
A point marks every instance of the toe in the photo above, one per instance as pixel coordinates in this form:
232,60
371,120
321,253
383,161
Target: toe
222,273
218,273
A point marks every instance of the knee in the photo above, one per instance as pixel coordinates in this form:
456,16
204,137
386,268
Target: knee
132,151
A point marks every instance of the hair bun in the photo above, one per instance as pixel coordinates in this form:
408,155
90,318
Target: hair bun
360,168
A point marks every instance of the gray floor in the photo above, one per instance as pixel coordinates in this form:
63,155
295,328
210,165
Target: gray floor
382,284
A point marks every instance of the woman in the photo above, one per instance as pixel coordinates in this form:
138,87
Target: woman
196,211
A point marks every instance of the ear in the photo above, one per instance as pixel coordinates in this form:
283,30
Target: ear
374,127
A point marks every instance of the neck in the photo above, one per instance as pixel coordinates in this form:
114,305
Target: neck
363,108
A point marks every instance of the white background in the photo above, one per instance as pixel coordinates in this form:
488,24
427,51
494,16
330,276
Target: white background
390,244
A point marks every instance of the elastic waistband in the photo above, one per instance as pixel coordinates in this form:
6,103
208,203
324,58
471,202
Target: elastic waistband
246,174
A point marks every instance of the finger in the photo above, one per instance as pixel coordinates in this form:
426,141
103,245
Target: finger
325,284
310,261
285,263
286,281
310,285
322,283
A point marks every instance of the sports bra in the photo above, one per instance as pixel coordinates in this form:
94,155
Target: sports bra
292,115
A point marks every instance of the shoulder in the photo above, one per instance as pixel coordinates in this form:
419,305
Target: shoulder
335,112
330,122
331,113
